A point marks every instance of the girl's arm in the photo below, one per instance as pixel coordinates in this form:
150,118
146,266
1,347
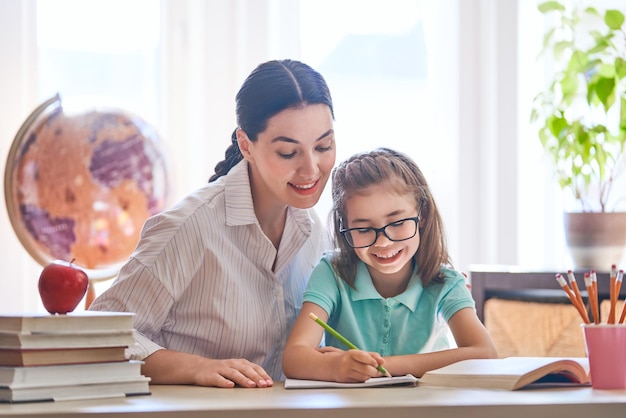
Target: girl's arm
471,337
303,360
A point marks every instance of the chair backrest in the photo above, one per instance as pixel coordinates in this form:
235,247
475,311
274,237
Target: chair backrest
526,328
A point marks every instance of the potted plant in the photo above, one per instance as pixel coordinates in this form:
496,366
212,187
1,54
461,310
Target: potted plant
581,120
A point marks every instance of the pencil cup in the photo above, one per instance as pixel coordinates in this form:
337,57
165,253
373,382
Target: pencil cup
606,349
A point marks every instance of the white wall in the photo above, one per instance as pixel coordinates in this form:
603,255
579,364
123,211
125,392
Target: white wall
17,74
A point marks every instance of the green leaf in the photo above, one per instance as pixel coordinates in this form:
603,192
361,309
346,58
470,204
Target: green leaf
557,126
569,86
614,19
620,68
605,91
601,43
606,70
560,47
578,61
550,6
592,11
547,39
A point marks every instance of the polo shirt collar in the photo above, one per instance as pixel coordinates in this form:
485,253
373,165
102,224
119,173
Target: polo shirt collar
365,288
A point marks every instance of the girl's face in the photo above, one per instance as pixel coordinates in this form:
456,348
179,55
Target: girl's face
292,159
375,207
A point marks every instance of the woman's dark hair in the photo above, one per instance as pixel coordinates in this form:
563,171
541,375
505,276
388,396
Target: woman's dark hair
272,87
400,174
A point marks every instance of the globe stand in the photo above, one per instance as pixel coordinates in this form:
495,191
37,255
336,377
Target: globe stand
79,186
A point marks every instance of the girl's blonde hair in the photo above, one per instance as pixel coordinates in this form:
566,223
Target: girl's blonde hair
402,175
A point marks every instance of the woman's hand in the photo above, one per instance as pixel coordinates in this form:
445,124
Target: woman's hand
176,368
231,372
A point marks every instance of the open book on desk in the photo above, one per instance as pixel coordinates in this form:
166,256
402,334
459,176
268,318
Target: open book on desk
407,380
511,373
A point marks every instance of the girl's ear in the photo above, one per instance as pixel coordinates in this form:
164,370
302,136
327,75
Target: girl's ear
244,144
423,216
422,211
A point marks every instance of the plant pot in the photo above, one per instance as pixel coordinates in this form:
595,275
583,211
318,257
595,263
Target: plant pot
595,240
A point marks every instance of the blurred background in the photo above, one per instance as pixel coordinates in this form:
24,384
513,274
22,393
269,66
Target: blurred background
449,82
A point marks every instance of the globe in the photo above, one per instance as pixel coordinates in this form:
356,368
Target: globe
79,186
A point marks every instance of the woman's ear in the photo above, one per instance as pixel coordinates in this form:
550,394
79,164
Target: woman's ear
244,144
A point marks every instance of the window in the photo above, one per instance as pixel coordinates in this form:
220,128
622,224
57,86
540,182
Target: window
100,52
387,79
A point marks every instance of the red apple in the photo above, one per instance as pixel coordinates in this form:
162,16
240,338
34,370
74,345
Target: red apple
62,285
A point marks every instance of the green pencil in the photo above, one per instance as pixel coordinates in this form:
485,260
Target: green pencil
343,339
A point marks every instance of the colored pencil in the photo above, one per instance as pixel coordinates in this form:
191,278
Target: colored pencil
579,298
590,296
572,297
622,317
343,339
612,294
595,300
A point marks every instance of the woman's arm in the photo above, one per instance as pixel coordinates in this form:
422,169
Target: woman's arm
471,337
173,367
303,360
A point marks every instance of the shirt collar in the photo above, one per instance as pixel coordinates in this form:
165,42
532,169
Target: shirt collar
239,205
365,288
238,196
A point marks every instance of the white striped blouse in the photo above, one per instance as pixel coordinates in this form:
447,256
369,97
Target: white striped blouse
202,281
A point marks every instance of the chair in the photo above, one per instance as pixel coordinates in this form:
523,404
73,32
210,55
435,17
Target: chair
531,328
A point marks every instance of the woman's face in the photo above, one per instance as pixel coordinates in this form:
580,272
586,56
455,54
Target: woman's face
292,159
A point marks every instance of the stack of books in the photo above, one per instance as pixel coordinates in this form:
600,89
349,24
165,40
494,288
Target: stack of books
78,355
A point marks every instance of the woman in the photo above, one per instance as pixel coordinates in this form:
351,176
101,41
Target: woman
216,282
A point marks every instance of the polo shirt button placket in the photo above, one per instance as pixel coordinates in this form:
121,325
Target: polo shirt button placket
386,325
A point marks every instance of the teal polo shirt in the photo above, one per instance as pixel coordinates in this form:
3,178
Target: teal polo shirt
414,321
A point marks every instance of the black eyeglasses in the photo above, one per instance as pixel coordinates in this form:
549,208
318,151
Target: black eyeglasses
400,230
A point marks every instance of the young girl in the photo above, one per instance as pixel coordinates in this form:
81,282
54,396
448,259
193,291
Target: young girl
389,288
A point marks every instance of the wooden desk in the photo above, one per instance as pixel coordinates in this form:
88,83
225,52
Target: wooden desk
490,281
398,402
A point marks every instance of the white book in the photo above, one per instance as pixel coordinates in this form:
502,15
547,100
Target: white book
68,339
70,322
70,374
138,386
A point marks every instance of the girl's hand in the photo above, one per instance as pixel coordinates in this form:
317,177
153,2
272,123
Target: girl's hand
356,366
328,349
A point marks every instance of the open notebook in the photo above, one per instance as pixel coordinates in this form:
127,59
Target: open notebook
407,380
